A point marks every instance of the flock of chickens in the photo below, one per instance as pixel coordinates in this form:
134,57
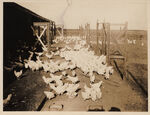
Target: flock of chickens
77,57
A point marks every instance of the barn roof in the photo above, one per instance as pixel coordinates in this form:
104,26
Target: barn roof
25,10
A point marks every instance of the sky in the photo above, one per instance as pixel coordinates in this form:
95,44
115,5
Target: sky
73,13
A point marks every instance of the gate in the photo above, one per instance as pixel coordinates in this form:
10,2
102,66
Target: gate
113,42
45,32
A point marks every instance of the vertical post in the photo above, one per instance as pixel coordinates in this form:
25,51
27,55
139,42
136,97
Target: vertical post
82,32
89,34
86,32
108,42
39,31
99,49
97,26
62,30
47,36
79,32
52,32
126,54
103,40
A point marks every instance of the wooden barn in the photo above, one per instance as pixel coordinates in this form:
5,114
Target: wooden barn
19,36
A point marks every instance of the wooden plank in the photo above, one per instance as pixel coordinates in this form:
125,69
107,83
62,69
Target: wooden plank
39,37
116,57
48,36
40,23
105,39
97,37
108,43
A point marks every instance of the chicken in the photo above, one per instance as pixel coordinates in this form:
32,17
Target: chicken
57,53
47,80
64,73
73,73
39,53
63,66
56,77
129,41
49,95
93,95
72,66
109,70
31,54
96,85
87,89
94,92
57,48
59,82
60,89
18,74
134,41
5,101
44,49
85,95
71,90
49,56
92,78
72,79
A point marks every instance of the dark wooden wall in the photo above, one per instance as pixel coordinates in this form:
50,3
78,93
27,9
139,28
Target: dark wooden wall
17,34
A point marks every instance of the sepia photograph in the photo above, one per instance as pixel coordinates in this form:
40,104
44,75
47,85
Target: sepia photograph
75,55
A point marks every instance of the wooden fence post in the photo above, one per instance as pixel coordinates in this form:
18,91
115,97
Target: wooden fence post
126,54
97,34
47,36
108,42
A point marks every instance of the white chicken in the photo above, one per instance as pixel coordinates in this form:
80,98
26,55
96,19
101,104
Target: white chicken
56,77
44,49
92,78
64,73
109,70
72,66
57,53
85,95
39,53
72,79
49,95
60,89
48,55
5,101
31,54
59,82
134,41
96,85
73,73
71,90
47,80
94,92
18,74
